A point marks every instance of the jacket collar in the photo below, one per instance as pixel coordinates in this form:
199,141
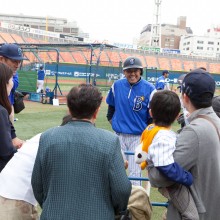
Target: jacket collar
201,111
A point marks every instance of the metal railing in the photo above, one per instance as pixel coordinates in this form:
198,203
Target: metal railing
164,204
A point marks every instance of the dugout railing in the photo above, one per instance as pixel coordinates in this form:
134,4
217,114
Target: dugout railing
163,204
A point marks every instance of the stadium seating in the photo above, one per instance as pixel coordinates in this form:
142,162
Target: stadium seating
188,65
199,64
30,40
164,63
31,57
151,61
18,39
53,56
104,60
123,55
142,58
44,57
78,57
87,54
67,57
2,41
214,68
7,38
176,64
113,57
109,56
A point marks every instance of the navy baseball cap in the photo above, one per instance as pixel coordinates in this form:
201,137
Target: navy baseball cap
12,51
197,83
165,71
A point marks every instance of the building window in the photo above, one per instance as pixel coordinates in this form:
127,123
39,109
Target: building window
210,48
210,42
199,48
187,48
200,42
188,43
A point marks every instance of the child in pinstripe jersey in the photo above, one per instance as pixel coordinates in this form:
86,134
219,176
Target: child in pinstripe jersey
164,109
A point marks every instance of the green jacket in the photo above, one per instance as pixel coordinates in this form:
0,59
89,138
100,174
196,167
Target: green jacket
79,173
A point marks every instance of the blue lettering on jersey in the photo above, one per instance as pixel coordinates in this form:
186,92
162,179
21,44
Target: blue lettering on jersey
138,103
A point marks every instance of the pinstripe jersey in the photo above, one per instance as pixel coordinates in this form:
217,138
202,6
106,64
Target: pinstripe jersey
162,148
131,104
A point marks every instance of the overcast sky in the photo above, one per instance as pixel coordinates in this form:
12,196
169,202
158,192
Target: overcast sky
120,20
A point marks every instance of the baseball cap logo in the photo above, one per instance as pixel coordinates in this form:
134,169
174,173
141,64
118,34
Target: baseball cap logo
19,52
132,61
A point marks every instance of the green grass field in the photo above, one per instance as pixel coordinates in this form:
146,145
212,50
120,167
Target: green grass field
37,117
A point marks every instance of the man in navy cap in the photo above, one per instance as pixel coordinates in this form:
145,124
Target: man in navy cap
11,55
197,146
161,83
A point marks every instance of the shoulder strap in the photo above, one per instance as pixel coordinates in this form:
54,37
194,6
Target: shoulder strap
211,121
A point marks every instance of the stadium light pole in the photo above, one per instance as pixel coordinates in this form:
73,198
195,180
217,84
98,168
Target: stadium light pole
90,64
57,66
146,73
97,64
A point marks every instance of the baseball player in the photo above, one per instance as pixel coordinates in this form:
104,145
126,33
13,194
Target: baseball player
161,83
128,109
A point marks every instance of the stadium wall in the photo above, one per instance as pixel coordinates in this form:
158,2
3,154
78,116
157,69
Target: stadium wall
105,72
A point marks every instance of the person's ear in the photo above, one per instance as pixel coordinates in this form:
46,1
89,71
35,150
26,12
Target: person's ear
186,98
178,116
151,115
96,113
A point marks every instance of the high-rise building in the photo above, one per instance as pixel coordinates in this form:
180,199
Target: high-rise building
170,34
52,24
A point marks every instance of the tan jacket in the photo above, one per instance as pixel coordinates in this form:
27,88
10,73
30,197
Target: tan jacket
139,204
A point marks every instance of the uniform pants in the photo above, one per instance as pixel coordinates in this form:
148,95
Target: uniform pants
129,142
40,85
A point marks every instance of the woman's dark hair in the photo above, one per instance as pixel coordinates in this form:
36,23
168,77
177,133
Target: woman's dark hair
165,107
5,74
83,101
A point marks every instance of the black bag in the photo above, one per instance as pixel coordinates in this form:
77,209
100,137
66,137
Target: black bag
125,215
18,102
